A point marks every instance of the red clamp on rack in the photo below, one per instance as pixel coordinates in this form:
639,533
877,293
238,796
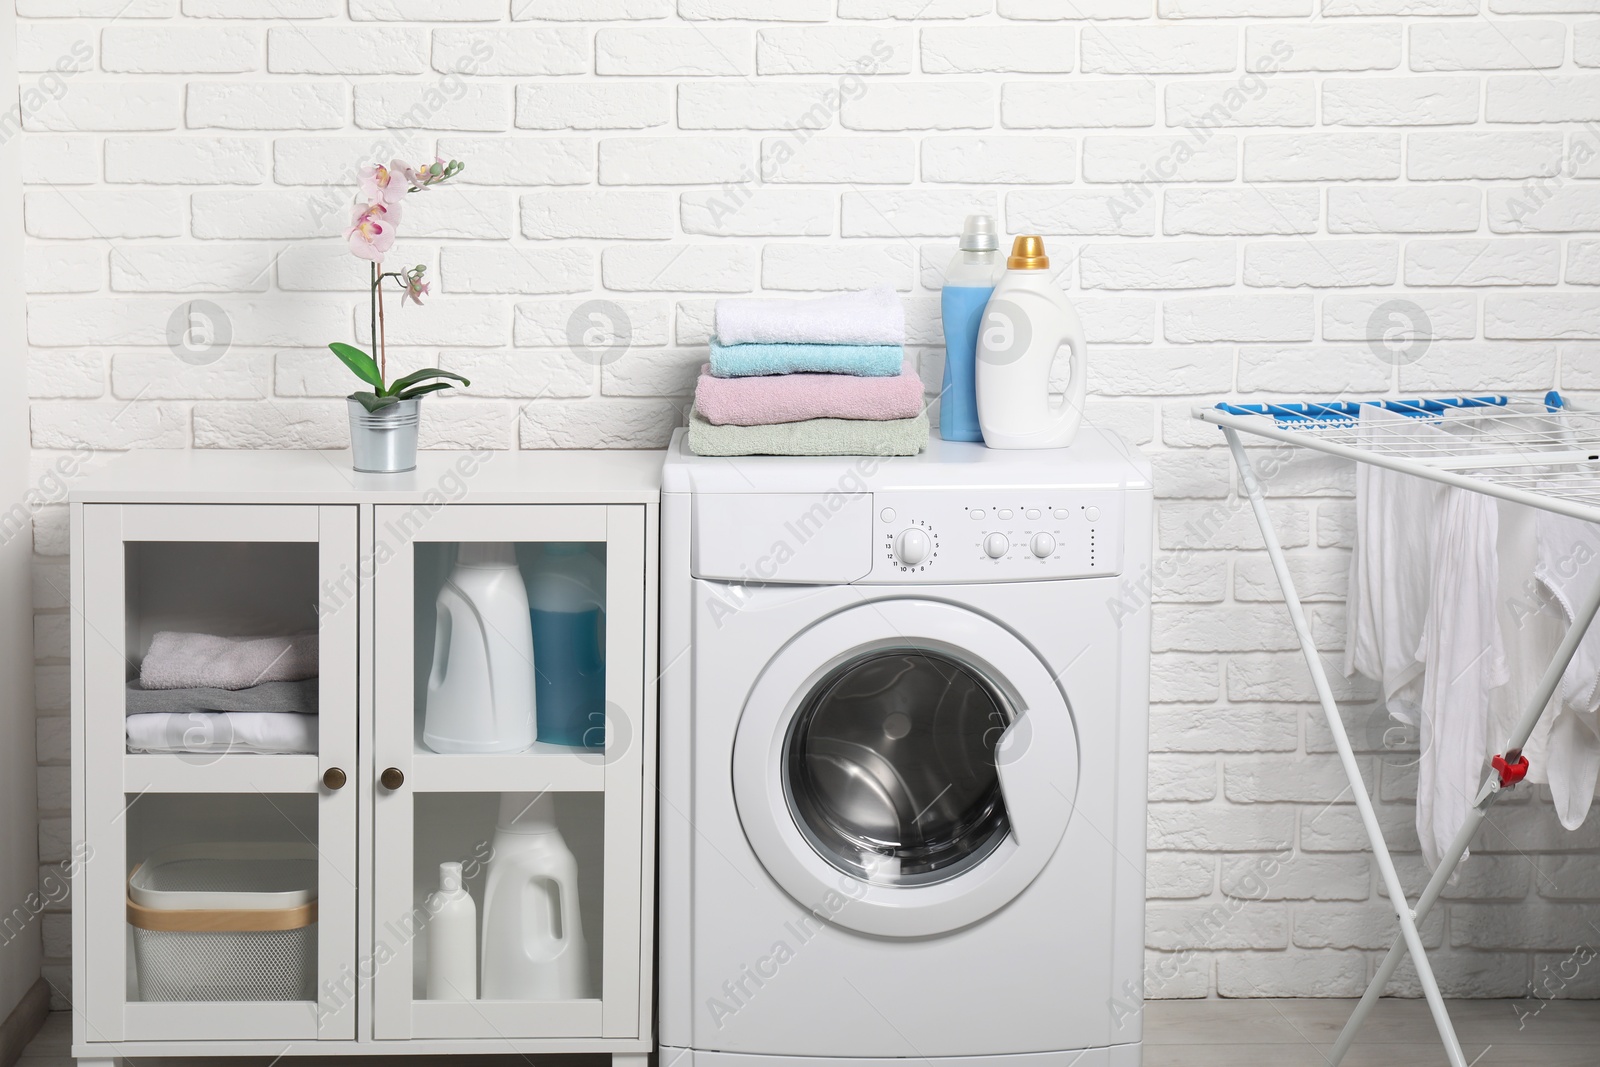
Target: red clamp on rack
1510,773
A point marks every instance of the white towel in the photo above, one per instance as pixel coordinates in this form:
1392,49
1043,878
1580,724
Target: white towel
1569,568
869,317
185,661
263,732
1390,568
1463,659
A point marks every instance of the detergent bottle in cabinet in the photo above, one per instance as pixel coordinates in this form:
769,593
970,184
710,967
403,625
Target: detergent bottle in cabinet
968,283
452,939
1026,323
480,695
533,944
566,600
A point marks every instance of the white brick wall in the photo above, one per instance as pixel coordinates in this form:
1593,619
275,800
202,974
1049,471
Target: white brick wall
659,153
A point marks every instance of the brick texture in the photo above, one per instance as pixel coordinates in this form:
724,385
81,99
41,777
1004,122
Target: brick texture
1237,194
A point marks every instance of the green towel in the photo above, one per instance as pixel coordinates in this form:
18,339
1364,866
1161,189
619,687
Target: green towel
812,437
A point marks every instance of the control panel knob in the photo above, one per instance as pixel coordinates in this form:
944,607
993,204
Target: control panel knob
1042,545
996,545
912,547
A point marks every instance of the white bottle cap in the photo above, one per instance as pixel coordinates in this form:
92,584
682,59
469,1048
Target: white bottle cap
978,234
449,877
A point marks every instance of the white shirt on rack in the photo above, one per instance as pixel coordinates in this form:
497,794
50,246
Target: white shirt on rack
1569,566
1464,660
1390,568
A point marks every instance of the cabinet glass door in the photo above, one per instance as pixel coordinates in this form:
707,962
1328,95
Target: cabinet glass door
218,683
509,696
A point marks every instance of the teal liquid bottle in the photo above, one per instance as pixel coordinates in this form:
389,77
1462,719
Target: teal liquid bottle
968,283
566,603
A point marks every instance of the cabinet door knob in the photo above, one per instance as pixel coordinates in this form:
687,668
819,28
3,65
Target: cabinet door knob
334,778
392,778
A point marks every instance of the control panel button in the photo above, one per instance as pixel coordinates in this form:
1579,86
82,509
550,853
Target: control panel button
1062,513
996,545
887,514
912,547
1032,513
978,513
1003,513
1042,545
1092,514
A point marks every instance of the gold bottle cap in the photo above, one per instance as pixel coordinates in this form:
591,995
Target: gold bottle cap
1027,253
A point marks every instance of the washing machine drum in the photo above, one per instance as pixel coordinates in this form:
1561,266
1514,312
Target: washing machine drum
909,784
891,768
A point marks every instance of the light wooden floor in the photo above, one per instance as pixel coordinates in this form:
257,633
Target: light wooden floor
1297,1033
1271,1033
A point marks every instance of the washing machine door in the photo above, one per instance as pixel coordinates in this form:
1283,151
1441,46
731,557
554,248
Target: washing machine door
905,767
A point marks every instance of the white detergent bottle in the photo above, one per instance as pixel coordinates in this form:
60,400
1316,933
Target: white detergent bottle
1026,323
533,946
452,939
481,689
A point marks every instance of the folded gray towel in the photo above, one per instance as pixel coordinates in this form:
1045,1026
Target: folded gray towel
297,697
187,661
813,437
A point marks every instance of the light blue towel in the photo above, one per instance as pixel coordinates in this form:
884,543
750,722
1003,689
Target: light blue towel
866,361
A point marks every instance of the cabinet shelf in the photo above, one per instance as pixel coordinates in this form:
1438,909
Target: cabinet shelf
233,773
444,1018
558,768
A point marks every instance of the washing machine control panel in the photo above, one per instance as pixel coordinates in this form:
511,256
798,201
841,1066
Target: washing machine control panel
995,535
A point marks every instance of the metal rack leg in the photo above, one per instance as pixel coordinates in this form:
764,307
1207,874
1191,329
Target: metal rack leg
1330,709
1480,810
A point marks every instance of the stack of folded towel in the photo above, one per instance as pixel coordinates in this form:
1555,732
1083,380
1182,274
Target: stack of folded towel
823,377
201,693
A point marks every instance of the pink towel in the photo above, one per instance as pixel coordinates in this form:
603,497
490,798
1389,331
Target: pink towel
775,398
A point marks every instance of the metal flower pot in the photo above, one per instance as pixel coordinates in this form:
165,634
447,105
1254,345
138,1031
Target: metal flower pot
384,441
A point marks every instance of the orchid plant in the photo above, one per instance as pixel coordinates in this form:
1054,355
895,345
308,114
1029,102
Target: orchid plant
373,225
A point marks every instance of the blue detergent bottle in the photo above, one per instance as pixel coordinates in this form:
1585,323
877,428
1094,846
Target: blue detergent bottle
566,601
968,284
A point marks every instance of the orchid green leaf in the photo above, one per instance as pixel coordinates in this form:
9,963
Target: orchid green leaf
361,364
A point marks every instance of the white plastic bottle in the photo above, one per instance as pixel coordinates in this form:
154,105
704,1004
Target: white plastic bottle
533,944
481,689
452,939
1026,323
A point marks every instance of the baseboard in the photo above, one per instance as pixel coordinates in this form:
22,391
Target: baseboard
24,1022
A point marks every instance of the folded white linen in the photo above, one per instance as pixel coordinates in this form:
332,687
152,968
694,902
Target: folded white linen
184,661
263,732
868,317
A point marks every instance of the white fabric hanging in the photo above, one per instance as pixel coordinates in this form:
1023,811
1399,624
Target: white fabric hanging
1530,630
1463,661
1569,566
1390,570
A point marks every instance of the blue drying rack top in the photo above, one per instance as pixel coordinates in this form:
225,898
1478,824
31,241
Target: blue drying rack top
1304,413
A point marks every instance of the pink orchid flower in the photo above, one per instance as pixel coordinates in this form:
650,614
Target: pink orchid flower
385,185
416,288
372,230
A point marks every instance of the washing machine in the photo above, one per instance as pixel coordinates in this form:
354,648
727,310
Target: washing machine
904,719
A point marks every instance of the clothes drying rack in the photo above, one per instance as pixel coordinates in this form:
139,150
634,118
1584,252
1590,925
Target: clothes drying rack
1528,450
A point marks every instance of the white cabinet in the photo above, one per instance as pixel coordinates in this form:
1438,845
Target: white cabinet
249,544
